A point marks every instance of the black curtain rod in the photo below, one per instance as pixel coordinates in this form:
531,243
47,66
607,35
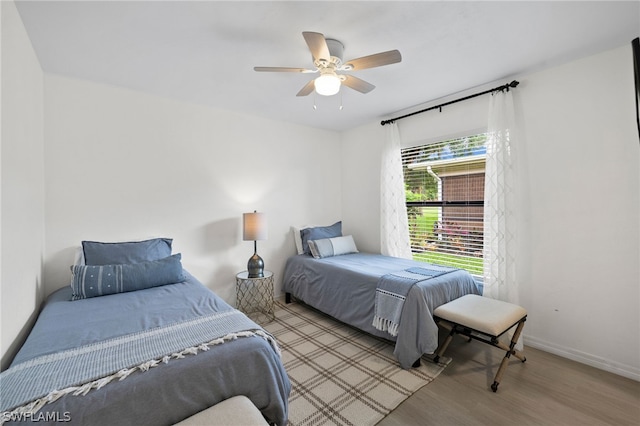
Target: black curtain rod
506,87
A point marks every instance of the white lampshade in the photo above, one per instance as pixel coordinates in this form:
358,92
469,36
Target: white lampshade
327,84
254,226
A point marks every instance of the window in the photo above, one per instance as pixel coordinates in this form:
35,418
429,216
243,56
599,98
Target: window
444,186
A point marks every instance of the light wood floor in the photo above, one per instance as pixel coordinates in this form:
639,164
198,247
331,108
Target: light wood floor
545,390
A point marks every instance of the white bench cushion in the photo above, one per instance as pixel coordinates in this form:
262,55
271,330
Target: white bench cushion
489,316
238,410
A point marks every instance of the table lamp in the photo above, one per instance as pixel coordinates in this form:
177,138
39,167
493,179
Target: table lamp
254,228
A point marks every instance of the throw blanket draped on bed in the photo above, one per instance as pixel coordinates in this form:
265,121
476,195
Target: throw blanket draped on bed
92,366
392,291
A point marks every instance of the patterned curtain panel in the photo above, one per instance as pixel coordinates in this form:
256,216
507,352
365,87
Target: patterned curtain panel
394,225
500,204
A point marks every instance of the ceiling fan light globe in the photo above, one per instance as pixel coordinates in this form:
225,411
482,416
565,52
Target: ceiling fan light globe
327,84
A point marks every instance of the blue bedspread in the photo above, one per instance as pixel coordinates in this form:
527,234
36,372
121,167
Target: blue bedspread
170,392
345,287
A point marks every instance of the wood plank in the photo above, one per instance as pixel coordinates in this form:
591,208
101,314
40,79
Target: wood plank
546,390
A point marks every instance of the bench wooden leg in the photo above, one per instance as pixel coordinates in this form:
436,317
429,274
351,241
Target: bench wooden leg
445,344
509,350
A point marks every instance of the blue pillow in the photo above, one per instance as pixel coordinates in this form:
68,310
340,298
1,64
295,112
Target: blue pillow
97,253
100,280
319,233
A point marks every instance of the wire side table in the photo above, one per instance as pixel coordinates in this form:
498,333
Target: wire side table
254,296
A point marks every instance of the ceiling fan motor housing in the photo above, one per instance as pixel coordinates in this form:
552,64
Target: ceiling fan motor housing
336,50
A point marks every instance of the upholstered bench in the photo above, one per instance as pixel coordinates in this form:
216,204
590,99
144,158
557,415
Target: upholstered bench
238,410
483,319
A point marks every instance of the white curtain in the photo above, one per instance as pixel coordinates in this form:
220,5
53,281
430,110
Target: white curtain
500,203
394,225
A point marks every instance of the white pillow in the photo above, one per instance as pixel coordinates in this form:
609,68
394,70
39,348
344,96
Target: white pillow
298,238
79,257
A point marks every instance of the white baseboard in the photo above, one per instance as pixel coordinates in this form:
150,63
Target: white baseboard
584,358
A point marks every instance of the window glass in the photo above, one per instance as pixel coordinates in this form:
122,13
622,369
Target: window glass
444,187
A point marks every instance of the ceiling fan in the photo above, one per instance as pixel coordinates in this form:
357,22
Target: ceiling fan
327,58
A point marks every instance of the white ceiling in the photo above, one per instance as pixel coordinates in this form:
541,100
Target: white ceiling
205,51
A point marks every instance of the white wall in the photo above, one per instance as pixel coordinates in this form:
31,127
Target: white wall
579,169
584,283
22,181
123,165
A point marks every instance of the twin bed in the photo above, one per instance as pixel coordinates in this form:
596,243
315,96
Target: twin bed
345,288
345,284
153,355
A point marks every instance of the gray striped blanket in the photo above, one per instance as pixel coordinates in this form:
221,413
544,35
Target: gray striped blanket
46,378
392,291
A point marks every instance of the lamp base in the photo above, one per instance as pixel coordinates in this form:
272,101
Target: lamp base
255,266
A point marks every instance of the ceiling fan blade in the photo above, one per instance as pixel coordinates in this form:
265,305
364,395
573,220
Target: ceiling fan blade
317,45
282,69
358,84
375,60
308,88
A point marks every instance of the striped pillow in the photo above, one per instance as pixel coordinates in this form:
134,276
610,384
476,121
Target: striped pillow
100,280
329,247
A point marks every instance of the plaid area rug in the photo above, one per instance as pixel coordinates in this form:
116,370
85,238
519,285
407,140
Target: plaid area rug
340,375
